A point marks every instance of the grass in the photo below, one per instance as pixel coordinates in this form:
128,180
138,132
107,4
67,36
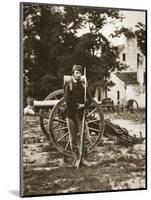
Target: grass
94,178
138,116
110,172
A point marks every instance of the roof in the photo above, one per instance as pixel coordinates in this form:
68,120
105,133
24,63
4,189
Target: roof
127,77
121,48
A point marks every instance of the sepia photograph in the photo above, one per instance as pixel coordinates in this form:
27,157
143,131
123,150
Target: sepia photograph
83,103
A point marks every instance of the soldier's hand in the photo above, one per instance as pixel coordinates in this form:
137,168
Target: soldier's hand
80,106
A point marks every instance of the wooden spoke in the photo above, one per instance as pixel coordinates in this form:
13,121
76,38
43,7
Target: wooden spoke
45,122
94,129
91,112
67,144
60,125
56,125
63,136
92,121
59,120
61,129
56,97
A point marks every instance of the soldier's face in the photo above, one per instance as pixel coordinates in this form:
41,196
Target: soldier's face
77,75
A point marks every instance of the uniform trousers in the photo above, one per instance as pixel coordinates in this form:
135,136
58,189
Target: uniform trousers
75,127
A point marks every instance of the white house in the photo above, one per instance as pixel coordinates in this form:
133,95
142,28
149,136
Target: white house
129,83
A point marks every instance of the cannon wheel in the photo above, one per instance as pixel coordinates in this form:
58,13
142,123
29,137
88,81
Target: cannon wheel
59,133
58,94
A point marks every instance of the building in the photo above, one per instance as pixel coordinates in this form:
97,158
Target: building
129,83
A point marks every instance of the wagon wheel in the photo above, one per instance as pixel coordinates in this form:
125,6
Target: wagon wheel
120,107
58,94
59,133
131,105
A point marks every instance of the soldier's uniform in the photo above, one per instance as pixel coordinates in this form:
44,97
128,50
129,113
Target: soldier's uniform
74,95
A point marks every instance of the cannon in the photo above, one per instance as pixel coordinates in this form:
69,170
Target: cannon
54,126
52,113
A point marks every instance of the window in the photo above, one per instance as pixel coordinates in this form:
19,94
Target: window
118,95
124,56
105,92
138,59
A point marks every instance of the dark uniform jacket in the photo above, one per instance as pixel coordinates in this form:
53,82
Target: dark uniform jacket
74,94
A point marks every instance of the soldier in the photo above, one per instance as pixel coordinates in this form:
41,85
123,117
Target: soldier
74,97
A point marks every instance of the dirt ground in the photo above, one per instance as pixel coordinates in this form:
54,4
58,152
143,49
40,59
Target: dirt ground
111,167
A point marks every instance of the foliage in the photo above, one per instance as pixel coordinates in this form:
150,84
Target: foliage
139,33
51,46
141,37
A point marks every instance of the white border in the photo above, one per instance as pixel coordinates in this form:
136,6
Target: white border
9,100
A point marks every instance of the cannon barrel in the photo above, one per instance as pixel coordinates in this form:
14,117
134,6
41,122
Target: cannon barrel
45,103
40,104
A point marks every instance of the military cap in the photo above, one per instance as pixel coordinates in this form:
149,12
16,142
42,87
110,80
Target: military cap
77,67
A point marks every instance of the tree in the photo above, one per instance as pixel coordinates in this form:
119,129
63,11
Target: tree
139,32
52,46
98,55
141,37
42,45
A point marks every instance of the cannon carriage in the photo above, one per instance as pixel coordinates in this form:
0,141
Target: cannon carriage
54,126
